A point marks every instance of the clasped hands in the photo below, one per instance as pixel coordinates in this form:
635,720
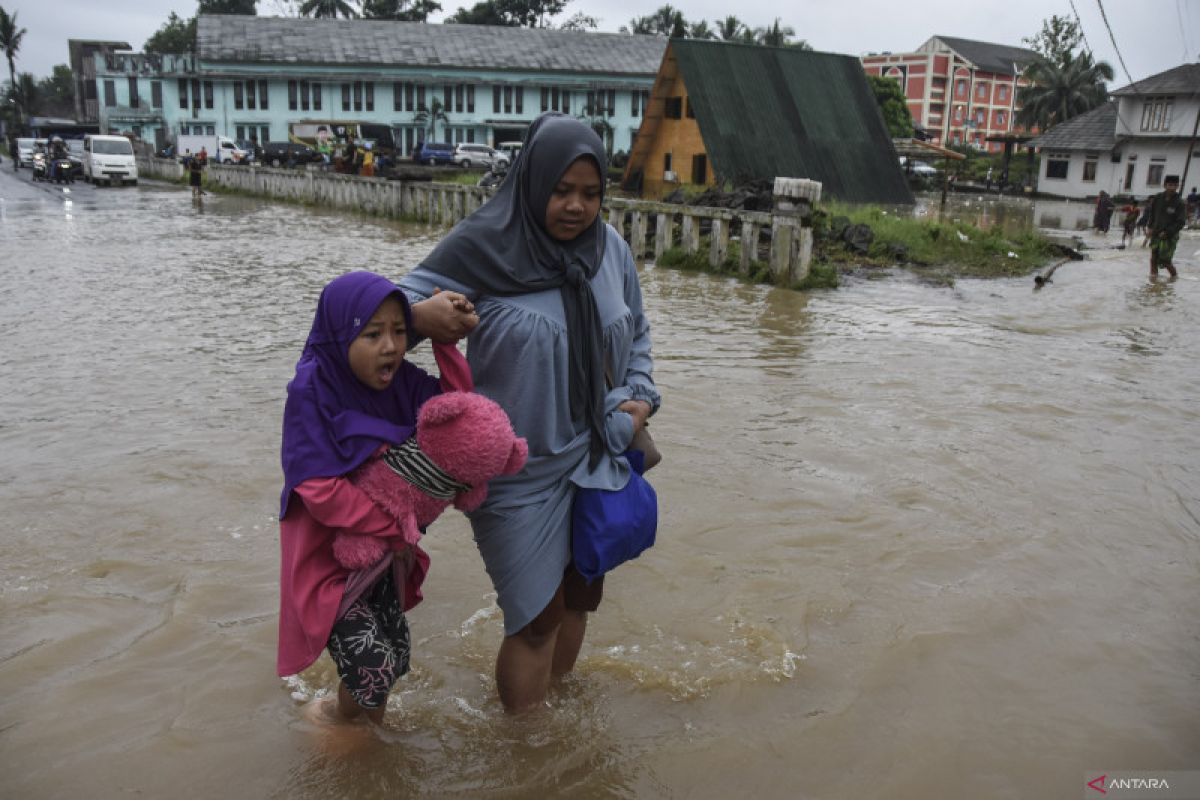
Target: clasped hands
445,317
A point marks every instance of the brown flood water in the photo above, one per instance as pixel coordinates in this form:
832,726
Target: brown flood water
916,542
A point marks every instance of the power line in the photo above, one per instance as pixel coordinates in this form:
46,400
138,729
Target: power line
1120,58
1082,35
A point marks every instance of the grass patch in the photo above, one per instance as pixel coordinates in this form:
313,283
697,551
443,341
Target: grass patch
820,277
956,249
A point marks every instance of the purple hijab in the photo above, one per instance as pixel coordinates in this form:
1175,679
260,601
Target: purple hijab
332,422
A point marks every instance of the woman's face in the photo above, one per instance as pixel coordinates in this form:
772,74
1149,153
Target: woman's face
575,200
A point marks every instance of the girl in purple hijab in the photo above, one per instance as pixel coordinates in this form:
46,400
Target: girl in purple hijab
352,397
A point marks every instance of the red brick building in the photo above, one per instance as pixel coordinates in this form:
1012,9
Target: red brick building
958,90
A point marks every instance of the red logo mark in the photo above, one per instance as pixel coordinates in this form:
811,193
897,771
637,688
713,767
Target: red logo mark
1098,784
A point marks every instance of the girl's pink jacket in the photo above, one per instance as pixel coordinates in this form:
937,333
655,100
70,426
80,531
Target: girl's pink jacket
311,581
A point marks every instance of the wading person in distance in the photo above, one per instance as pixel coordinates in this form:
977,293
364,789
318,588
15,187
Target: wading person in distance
558,299
1167,218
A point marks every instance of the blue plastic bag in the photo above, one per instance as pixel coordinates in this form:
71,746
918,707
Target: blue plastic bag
610,528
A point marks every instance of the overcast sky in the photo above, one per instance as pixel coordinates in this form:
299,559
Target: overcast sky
1151,35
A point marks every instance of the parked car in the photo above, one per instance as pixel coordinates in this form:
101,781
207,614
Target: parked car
281,154
478,155
918,167
432,153
249,147
25,148
510,149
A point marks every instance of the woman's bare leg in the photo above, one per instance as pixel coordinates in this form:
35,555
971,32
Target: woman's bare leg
349,708
569,642
523,669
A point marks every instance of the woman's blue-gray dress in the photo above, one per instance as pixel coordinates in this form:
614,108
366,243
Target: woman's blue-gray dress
518,356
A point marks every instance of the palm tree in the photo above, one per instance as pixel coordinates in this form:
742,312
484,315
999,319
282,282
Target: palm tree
25,94
327,8
10,40
700,30
730,29
1061,90
431,116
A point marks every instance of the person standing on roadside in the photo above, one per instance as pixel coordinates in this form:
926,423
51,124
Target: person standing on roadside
1167,218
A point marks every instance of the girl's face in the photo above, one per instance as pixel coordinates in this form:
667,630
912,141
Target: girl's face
575,200
376,353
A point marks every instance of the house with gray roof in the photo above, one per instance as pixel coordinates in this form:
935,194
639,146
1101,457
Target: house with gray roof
259,77
1127,146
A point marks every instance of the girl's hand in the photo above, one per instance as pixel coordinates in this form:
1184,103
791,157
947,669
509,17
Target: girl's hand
445,317
639,410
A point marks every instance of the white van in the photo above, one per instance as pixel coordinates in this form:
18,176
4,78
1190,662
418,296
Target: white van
109,159
25,148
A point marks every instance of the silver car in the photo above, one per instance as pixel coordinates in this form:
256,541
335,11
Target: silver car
478,155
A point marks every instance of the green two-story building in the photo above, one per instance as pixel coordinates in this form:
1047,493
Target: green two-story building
258,77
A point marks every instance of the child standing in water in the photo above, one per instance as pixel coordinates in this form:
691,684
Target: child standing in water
352,396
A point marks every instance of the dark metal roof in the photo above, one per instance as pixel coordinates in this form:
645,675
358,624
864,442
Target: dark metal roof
768,111
1093,130
1184,79
341,42
1000,58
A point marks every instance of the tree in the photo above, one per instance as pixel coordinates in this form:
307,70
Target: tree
431,116
580,21
327,8
24,92
244,7
1059,91
775,36
57,93
730,29
10,40
175,36
666,21
1057,39
402,10
893,106
510,13
700,30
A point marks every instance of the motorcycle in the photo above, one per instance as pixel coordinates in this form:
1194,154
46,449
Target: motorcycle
494,176
39,167
62,170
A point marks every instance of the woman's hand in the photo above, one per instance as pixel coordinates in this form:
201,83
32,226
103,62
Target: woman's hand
639,410
445,317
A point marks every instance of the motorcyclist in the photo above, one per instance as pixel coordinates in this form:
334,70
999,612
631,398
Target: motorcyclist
58,153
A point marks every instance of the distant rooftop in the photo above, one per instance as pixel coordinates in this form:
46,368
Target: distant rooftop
1184,79
341,42
1093,130
991,57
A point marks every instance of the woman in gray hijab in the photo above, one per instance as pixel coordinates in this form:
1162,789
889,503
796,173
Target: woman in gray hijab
559,306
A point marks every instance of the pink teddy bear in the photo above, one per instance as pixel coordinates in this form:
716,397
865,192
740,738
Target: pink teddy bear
464,441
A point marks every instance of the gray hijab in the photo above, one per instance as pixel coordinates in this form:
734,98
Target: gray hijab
503,249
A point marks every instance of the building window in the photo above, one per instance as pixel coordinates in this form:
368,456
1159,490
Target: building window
639,100
264,133
195,94
358,96
237,97
397,97
1089,168
345,97
699,169
156,94
294,99
999,119
304,104
545,99
960,88
250,95
508,98
470,99
448,99
262,96
369,91
1002,93
981,90
1156,114
459,92
1057,165
673,108
183,93
495,99
520,92
134,100
666,162
958,113
1154,175
979,117
566,101
420,98
110,93
208,94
